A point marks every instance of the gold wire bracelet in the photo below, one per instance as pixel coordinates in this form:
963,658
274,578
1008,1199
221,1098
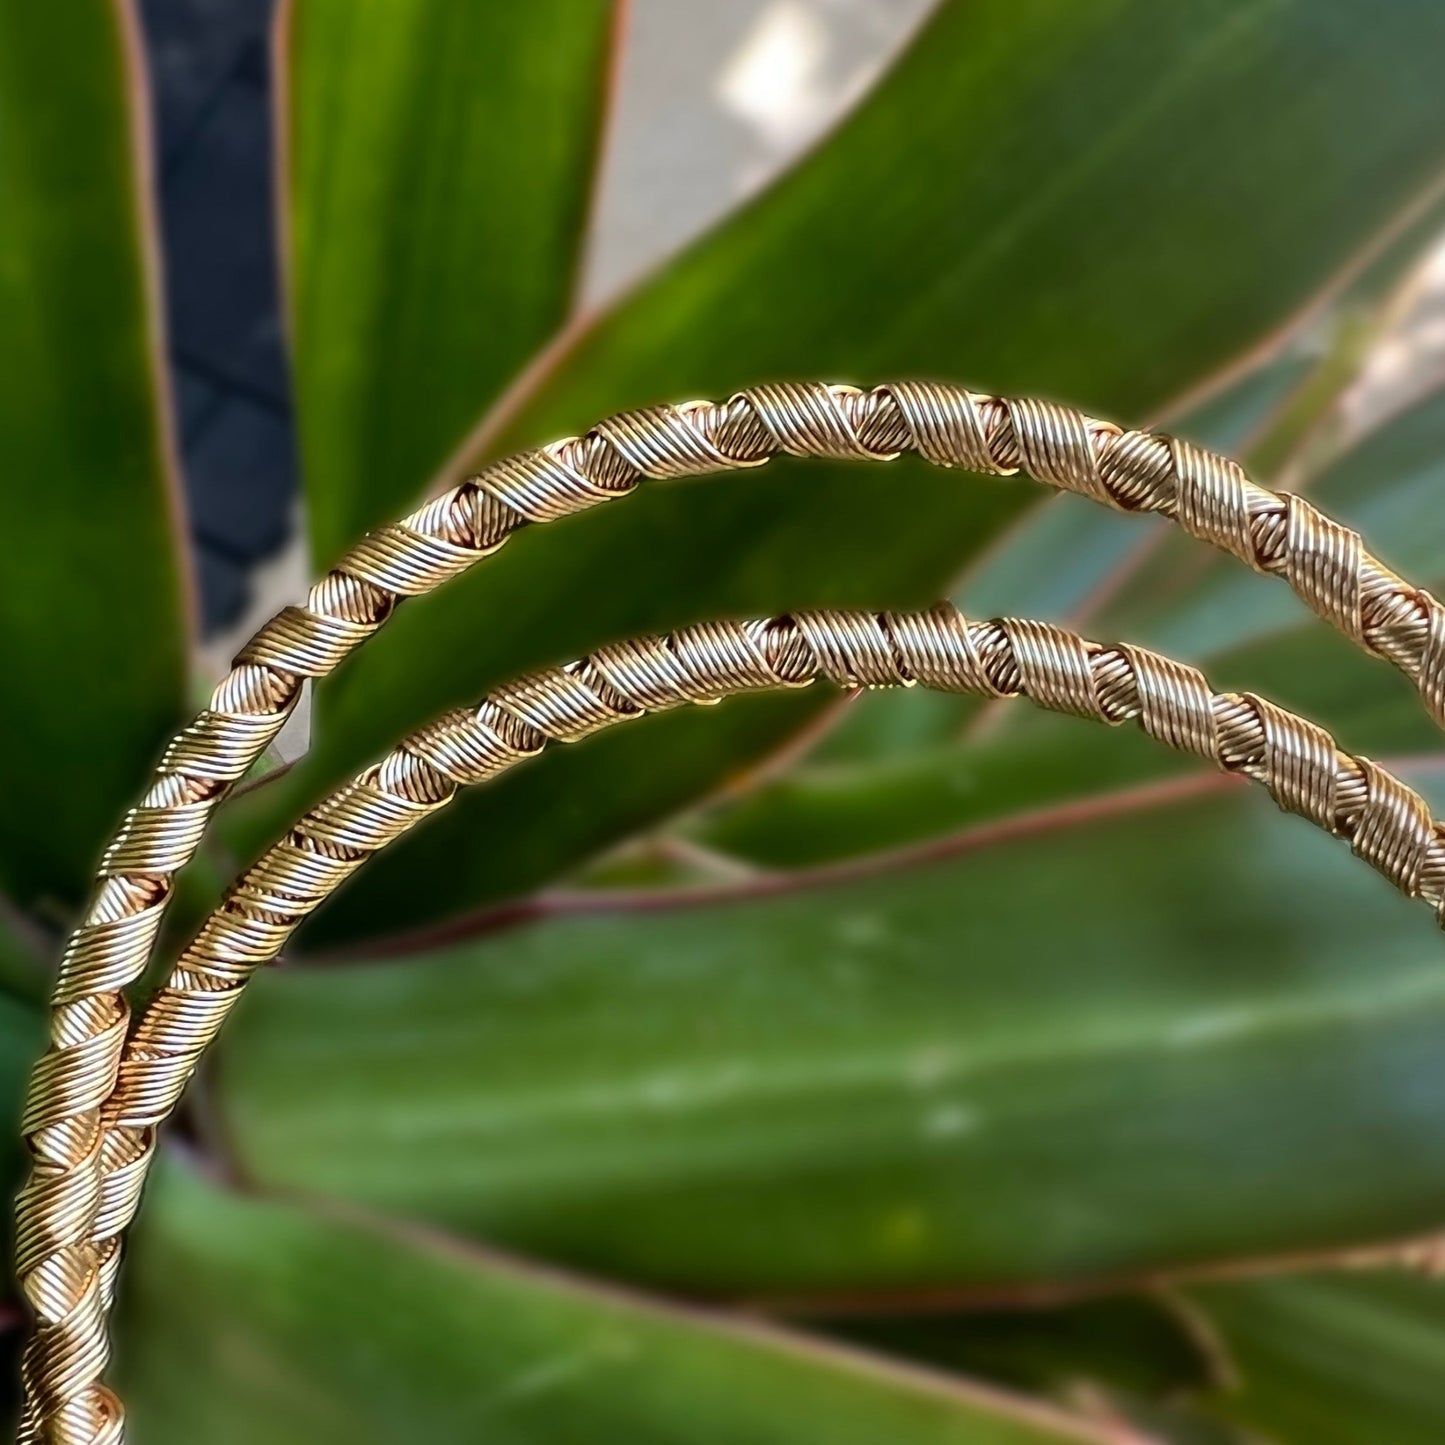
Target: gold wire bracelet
84,1178
1385,823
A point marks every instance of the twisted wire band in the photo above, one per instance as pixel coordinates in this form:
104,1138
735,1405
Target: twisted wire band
1385,823
66,1258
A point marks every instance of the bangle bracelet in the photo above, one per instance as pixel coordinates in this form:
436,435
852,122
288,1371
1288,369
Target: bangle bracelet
89,1150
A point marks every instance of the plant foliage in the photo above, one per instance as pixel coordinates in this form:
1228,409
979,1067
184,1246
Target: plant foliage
970,1077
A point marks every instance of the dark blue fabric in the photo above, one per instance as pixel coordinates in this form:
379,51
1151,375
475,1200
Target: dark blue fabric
211,97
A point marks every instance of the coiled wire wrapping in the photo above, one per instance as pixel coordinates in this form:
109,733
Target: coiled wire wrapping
1386,823
89,1155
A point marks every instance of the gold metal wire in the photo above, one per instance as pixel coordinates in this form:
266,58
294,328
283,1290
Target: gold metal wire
90,1117
1385,823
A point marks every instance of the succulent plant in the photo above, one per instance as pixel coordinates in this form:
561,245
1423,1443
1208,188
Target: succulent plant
813,1068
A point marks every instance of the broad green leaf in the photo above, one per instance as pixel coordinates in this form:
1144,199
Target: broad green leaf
441,161
1151,1360
92,619
1031,239
1133,1343
1249,632
1180,1035
1350,1358
1280,419
1102,202
247,1320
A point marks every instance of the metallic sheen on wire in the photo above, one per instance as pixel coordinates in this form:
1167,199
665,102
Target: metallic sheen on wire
85,1175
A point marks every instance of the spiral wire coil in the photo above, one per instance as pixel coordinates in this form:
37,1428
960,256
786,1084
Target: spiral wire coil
104,1084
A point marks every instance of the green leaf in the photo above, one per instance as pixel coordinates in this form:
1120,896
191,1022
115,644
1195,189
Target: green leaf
1147,1359
247,1320
92,618
1178,1036
1103,202
1334,1359
441,161
1282,420
1133,1343
899,231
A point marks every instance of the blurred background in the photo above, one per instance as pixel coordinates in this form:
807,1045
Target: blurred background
890,1067
713,100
